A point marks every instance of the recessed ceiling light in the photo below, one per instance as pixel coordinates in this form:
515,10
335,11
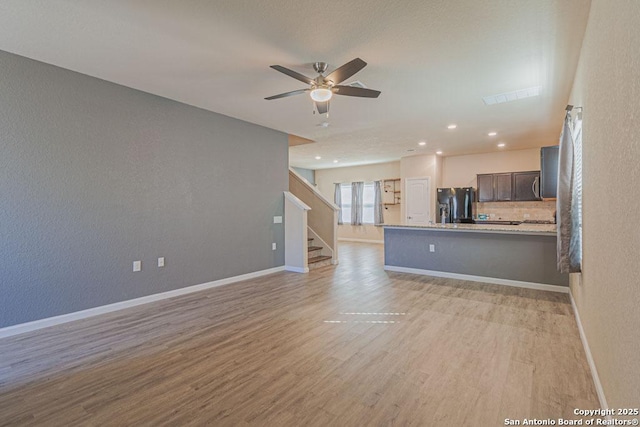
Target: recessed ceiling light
492,133
452,126
438,152
318,157
422,143
502,144
335,161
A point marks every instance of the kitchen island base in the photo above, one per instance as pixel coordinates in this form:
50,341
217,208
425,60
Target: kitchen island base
506,258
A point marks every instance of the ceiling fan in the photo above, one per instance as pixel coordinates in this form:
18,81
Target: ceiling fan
322,88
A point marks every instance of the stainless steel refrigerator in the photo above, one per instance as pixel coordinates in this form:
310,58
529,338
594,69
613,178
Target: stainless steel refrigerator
455,205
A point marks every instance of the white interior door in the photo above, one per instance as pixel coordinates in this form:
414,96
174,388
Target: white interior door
418,199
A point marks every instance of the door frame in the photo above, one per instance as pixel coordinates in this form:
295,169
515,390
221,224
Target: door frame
406,198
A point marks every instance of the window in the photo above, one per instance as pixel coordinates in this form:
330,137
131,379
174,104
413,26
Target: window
368,199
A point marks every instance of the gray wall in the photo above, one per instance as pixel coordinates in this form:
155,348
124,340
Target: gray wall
528,258
308,174
94,175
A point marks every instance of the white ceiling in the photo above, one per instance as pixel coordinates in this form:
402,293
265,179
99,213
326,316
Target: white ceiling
433,60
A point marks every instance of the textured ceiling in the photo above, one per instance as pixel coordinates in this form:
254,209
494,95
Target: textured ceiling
433,60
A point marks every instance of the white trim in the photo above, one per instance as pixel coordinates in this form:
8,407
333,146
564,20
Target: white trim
296,269
590,361
348,239
95,311
493,280
299,203
313,189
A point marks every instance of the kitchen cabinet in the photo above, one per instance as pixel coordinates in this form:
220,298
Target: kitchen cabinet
526,186
485,188
494,187
503,187
549,172
509,186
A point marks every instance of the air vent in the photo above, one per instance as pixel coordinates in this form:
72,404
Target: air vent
511,96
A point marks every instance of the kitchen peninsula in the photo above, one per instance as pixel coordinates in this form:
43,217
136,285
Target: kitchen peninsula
517,255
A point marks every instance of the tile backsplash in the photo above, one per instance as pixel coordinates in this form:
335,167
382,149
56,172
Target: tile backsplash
517,211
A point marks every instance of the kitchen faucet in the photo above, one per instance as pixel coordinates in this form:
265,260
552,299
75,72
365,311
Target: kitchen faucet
444,212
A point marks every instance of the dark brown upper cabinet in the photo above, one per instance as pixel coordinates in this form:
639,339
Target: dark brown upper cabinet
503,187
494,187
509,186
485,188
549,172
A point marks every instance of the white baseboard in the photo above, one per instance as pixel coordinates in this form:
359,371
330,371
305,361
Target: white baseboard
348,239
493,280
296,269
95,311
587,350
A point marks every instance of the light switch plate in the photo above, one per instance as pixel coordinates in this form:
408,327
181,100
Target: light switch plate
277,220
137,265
273,246
161,262
432,248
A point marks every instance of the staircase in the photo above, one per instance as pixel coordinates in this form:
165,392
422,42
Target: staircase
321,223
316,259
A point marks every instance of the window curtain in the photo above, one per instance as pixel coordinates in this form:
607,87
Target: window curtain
357,189
337,199
378,209
569,198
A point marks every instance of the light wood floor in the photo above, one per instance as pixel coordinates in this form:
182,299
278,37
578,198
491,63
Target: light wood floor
350,345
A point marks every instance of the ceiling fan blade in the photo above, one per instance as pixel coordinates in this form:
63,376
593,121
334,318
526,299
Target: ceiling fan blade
356,91
284,95
322,107
341,74
293,74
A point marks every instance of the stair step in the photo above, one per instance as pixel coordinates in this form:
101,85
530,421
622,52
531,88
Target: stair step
314,248
319,262
319,258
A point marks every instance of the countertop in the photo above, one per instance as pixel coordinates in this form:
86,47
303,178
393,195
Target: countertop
544,229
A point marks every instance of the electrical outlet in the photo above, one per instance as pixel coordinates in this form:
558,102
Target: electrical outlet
432,248
527,215
161,262
273,246
137,265
277,220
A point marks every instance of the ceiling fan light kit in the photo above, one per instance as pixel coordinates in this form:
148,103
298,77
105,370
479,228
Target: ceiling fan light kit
321,94
321,89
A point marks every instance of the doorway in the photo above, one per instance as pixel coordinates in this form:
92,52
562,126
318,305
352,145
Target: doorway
418,201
